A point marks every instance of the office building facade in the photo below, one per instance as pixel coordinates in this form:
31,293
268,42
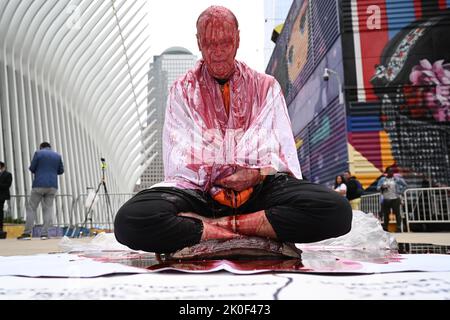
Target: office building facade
165,69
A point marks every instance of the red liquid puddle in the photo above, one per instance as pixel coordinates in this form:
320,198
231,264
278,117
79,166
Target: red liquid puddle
311,261
291,265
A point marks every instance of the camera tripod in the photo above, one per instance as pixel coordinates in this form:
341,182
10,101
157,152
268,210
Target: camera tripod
89,211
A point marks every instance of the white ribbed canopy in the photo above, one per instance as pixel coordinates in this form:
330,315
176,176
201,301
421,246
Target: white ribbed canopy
75,73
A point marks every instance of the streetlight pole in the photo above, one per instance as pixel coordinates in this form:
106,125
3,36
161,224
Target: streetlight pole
326,77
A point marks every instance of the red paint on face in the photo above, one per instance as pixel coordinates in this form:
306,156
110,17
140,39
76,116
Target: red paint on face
218,40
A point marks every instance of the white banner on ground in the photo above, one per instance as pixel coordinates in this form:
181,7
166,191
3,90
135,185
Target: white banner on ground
398,286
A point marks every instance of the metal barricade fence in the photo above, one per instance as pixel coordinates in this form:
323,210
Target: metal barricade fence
63,205
422,248
99,216
427,205
422,205
371,203
69,211
17,209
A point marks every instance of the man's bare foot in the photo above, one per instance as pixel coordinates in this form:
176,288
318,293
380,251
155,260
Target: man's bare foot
224,222
211,232
213,228
252,224
255,224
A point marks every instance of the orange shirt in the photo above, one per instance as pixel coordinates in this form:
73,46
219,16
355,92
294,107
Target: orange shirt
225,89
231,198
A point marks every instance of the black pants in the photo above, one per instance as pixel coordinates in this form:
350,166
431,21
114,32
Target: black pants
386,207
2,203
298,211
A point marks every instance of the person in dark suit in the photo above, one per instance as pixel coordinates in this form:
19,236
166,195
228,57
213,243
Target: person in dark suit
5,184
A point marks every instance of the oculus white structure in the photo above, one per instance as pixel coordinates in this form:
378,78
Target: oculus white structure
75,74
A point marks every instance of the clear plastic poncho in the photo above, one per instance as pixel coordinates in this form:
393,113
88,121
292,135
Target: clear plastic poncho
202,143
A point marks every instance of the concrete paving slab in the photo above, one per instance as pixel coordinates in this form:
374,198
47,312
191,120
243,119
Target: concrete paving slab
14,247
436,238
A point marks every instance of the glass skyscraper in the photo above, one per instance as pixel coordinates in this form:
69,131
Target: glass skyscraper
165,69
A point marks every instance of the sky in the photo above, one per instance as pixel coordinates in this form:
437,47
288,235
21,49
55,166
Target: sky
172,23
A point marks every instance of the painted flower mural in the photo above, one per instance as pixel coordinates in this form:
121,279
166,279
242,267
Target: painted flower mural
433,86
412,82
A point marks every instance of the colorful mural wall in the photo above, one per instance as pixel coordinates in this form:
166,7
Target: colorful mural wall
397,71
322,146
393,57
308,44
309,31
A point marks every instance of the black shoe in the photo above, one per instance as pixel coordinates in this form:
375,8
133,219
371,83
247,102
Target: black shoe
44,237
24,236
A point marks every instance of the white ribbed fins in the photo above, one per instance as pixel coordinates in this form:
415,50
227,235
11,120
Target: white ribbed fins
75,73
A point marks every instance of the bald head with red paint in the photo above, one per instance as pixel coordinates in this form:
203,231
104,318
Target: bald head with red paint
218,40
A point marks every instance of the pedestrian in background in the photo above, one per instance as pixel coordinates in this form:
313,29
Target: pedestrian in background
340,186
391,188
45,166
354,190
5,184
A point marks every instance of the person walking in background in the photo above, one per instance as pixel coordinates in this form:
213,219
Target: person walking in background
5,184
391,188
340,186
46,166
354,190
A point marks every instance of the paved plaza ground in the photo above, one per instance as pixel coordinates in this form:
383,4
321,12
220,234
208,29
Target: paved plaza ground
13,247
